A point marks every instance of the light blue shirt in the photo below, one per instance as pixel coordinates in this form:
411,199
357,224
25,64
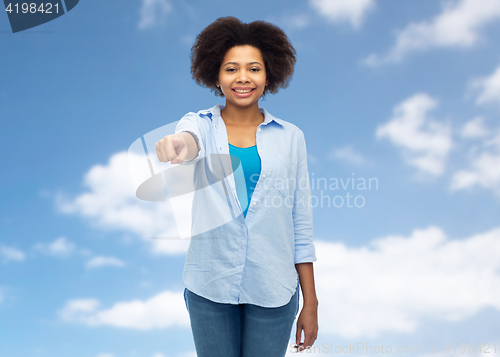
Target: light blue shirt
235,259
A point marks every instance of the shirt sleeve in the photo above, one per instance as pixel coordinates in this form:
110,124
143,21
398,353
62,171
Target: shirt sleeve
189,123
302,209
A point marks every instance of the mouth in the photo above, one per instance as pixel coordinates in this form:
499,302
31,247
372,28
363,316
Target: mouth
243,92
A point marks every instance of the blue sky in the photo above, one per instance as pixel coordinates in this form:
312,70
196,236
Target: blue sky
406,93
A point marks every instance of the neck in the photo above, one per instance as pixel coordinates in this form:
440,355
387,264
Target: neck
234,115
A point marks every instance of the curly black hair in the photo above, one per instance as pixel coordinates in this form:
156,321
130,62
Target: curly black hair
224,33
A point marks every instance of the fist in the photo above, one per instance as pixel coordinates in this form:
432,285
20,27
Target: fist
172,148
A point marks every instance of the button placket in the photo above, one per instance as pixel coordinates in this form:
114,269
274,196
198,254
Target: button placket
263,166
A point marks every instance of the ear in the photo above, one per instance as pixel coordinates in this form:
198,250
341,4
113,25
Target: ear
267,82
217,83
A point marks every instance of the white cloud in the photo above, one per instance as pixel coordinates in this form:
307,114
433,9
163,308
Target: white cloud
489,88
10,254
347,153
474,128
425,143
458,25
396,283
188,354
60,247
110,203
100,261
484,168
292,21
352,11
184,354
166,309
153,12
476,353
79,306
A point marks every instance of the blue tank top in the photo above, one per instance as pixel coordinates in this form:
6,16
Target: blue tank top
251,165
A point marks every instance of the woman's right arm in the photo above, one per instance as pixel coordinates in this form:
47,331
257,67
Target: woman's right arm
177,148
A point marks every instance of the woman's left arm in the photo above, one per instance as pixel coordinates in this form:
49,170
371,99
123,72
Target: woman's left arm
308,318
305,252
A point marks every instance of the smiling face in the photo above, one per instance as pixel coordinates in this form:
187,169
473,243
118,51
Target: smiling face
242,76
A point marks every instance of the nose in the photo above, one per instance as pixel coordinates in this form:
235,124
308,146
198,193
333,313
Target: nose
243,76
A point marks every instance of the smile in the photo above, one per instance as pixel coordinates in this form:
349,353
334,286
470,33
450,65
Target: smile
243,92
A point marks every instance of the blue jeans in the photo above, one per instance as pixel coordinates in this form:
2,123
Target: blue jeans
243,330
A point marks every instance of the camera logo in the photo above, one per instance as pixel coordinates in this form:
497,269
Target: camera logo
25,14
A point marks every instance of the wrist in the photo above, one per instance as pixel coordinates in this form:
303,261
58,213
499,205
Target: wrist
312,302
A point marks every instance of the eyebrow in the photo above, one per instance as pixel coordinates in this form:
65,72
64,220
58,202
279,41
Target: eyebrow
249,63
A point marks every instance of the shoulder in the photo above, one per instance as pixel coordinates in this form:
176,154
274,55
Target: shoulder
291,129
200,114
202,118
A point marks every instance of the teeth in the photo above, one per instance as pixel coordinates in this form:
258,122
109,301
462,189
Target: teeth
242,91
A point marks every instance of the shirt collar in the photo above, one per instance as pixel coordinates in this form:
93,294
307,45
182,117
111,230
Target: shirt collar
216,110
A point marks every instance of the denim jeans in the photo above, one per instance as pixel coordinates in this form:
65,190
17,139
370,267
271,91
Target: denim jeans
243,330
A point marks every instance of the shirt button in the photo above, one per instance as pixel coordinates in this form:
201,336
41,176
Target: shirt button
259,129
254,203
264,175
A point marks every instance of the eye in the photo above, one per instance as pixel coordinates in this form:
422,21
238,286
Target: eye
230,70
255,69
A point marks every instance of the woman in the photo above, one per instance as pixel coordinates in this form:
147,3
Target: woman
242,277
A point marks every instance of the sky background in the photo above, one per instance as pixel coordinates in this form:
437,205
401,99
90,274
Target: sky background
406,93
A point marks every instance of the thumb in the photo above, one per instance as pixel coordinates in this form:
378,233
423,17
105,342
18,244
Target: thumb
181,154
175,140
178,142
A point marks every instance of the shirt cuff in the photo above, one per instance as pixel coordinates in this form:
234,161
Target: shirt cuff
306,255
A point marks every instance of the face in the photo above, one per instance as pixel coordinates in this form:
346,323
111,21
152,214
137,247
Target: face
242,76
